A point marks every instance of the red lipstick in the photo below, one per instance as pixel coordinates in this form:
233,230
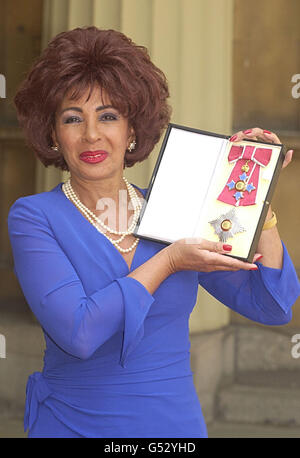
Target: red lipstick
93,157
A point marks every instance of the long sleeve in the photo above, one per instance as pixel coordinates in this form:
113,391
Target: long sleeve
77,323
265,295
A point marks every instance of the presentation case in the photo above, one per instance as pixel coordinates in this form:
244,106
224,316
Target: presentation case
205,186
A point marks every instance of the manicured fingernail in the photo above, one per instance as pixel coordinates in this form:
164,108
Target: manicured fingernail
247,131
259,258
233,138
227,247
254,268
267,132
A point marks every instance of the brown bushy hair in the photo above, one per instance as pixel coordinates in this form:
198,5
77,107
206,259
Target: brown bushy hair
78,60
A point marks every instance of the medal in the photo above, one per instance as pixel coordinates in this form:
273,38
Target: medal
241,187
227,225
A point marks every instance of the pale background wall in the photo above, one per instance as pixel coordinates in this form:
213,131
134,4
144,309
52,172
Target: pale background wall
193,46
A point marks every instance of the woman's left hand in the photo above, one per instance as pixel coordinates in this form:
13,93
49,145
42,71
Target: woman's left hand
257,133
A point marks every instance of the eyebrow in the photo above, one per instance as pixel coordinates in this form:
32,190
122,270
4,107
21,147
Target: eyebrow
100,108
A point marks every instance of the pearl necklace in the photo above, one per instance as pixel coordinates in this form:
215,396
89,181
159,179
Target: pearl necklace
96,222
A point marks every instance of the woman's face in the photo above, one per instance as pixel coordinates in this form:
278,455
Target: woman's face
86,127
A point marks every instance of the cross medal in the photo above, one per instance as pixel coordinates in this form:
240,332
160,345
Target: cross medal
241,185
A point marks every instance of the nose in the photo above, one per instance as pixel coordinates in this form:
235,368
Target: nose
92,131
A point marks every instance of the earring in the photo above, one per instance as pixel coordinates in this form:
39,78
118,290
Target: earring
132,146
55,148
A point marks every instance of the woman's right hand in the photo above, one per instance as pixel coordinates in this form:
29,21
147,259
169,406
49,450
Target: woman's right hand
204,256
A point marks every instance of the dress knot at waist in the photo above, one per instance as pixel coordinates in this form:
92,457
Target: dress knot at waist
37,391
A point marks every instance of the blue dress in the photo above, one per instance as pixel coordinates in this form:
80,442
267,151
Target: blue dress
117,359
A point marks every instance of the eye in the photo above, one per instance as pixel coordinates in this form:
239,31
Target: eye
72,119
109,117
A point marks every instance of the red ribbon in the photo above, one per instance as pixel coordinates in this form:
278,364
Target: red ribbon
256,157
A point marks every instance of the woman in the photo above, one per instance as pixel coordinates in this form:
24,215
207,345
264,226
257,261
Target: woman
115,312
